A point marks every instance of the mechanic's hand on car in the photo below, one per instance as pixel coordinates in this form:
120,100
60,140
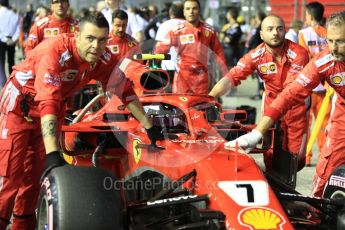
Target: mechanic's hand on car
53,160
155,134
245,142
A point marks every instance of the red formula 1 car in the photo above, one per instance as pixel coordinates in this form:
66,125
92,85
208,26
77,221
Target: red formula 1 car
187,181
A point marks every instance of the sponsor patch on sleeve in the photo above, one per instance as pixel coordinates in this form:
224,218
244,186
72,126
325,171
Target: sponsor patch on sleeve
65,56
124,64
303,80
295,68
52,80
257,53
165,41
323,60
32,37
338,79
241,65
291,54
42,21
106,55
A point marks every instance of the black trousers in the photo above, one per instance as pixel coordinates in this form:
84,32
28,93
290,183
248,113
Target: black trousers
10,51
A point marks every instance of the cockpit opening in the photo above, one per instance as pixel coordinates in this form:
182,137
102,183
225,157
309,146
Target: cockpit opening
171,118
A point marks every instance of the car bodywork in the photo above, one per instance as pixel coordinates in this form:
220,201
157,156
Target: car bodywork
188,180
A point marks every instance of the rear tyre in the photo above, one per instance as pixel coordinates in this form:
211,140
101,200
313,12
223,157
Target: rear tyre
335,186
335,189
79,198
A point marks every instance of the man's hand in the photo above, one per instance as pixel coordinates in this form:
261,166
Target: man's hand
222,86
246,142
155,134
53,159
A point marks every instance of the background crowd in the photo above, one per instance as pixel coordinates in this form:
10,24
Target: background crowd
236,35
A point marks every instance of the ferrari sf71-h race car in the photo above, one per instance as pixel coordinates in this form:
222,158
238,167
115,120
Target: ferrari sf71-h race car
117,179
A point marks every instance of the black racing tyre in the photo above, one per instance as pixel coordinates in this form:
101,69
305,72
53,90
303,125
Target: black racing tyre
73,198
336,183
335,189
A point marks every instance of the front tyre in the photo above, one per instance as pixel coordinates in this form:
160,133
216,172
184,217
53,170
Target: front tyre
78,198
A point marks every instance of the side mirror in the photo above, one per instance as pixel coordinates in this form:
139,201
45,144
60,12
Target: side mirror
234,115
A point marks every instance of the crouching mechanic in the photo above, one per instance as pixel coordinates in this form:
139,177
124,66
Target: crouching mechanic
277,62
329,65
32,106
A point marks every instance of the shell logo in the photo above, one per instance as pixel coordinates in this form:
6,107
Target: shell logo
261,218
47,33
263,69
337,80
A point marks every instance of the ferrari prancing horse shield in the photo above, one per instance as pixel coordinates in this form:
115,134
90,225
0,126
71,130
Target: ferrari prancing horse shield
136,150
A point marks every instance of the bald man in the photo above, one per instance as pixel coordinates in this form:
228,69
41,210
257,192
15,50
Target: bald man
277,61
329,66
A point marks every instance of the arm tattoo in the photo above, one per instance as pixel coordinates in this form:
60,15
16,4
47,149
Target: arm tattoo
49,128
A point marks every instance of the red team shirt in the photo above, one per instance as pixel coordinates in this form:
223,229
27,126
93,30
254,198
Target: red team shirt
61,72
51,73
48,27
122,47
322,67
277,75
193,45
